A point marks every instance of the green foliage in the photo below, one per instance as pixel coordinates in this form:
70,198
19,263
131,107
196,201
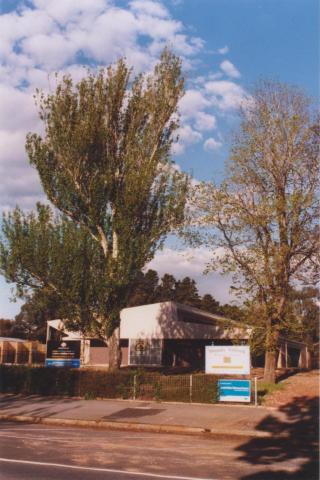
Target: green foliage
303,316
91,384
89,396
5,327
55,265
209,304
104,163
144,289
31,322
149,289
124,391
44,304
157,391
262,222
166,291
265,388
38,380
186,292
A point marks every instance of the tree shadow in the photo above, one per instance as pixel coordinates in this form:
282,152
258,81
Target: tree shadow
133,413
34,405
294,439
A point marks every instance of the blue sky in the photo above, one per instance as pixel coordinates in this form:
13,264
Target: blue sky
226,46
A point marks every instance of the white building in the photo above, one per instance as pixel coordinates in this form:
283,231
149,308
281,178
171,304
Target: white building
165,333
160,334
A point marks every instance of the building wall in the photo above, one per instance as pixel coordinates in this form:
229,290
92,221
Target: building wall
146,321
100,356
162,321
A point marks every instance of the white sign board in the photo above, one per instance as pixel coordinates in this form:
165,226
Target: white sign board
228,360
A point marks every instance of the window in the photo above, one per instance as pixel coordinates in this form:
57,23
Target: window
145,351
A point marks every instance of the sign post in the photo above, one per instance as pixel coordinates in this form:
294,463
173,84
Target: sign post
228,360
234,390
63,362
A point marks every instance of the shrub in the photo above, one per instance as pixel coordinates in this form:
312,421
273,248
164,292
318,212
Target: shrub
91,384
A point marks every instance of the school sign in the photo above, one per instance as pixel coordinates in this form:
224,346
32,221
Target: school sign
228,360
234,390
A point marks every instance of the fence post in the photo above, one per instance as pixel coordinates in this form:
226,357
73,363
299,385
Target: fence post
190,389
134,386
255,391
79,374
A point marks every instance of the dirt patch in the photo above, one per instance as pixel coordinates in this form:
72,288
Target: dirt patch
303,384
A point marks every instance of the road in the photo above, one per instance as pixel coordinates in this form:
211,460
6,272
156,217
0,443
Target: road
30,452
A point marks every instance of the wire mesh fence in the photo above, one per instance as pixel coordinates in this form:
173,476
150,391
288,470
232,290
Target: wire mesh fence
148,386
180,388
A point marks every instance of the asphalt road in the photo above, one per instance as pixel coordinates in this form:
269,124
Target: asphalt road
46,452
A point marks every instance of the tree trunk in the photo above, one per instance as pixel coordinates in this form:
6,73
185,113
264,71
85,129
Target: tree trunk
114,350
270,364
114,340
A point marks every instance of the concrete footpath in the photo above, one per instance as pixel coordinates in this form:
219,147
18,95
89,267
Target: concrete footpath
223,420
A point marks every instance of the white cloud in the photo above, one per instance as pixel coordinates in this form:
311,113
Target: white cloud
44,36
178,148
8,309
191,102
53,33
187,136
150,8
192,263
229,69
49,51
210,145
70,10
223,50
17,109
205,121
226,95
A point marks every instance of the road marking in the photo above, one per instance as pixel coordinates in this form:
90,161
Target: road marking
97,469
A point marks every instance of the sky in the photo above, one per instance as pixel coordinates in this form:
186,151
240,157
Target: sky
226,46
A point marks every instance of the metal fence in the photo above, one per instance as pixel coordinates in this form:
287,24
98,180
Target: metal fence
181,388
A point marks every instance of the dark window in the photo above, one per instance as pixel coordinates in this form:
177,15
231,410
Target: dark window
189,317
97,342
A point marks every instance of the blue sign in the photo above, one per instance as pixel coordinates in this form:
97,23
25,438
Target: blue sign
70,362
234,390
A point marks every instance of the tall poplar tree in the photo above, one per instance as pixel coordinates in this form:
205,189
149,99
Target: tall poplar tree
104,162
265,214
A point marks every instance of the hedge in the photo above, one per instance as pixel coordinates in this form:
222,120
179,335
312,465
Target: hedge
91,384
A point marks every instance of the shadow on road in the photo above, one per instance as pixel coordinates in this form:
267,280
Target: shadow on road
295,438
35,406
133,413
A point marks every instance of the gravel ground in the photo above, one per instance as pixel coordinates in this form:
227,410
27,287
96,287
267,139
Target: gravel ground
304,384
